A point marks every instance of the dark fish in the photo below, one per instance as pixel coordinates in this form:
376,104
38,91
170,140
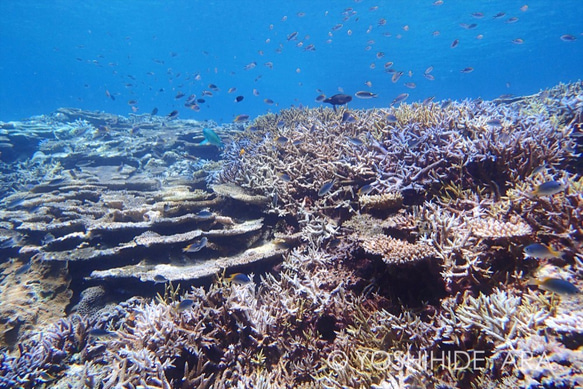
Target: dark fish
455,43
391,118
293,35
154,111
179,95
400,98
348,118
364,190
396,76
556,285
239,278
201,101
365,95
173,114
338,99
283,176
101,333
326,188
239,98
268,101
213,87
132,102
281,140
196,246
204,215
512,20
320,98
568,38
498,15
548,188
184,305
539,250
241,118
467,70
428,100
160,279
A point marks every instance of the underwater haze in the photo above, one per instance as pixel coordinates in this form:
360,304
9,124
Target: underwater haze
261,56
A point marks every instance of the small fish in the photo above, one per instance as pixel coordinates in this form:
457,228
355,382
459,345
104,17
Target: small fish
455,43
281,140
320,98
283,176
498,15
568,38
250,66
396,76
355,141
428,76
292,36
555,285
211,137
204,215
238,278
365,189
538,250
518,41
391,118
467,70
348,118
512,20
365,95
179,95
184,305
326,187
428,100
268,101
548,188
241,118
160,279
410,85
338,99
400,98
196,246
132,102
494,123
101,333
231,90
173,114
239,98
154,111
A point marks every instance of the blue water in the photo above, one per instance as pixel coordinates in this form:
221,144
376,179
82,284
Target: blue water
69,53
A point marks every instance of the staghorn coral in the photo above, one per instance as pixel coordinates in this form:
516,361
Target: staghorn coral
325,316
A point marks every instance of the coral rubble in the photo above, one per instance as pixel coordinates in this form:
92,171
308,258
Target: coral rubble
388,250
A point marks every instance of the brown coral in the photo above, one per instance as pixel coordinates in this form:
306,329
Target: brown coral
396,250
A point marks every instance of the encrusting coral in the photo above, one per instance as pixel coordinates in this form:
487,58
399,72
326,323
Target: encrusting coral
395,245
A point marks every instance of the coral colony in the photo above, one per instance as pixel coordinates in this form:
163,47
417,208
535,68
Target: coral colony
425,245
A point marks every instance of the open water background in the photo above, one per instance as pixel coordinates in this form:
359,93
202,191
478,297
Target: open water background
68,53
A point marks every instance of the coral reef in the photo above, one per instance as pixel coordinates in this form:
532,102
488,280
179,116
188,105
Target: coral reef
388,251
